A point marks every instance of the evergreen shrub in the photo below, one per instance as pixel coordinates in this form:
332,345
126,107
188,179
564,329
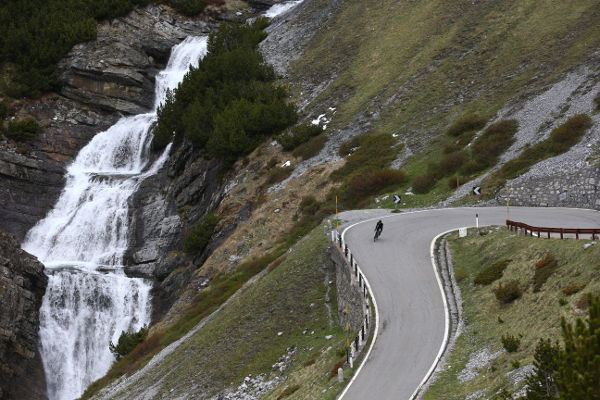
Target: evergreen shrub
127,342
491,273
508,292
199,234
23,130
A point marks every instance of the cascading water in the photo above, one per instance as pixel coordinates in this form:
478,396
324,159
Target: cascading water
89,300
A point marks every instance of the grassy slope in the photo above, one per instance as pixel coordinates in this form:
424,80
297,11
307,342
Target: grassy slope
534,316
431,52
243,339
420,64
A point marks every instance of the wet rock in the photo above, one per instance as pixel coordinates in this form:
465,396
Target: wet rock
22,287
32,173
116,72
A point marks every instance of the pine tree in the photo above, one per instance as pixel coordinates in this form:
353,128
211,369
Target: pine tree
540,385
578,375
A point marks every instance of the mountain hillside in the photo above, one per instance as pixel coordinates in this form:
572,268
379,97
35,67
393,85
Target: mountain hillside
426,99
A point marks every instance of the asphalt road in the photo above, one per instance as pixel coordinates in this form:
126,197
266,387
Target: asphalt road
410,304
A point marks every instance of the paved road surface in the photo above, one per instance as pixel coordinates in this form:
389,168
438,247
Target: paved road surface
410,303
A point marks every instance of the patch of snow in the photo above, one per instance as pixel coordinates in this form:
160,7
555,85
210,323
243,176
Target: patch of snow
286,164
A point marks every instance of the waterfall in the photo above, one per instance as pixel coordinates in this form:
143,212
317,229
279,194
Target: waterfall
89,300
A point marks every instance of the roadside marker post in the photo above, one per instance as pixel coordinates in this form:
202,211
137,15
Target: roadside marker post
477,221
397,200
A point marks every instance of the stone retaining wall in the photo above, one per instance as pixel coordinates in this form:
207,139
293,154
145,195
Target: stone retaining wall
580,189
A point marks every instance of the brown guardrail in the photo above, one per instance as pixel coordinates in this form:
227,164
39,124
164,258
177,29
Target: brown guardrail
528,229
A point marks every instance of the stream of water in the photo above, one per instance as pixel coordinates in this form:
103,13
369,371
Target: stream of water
89,300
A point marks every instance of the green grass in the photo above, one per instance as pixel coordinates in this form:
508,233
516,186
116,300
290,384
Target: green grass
535,315
294,298
434,51
561,139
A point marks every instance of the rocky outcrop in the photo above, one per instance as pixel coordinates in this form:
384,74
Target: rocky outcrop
32,173
22,287
187,188
100,79
116,71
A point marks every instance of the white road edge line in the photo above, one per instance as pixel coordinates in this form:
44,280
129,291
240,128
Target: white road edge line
375,332
446,314
434,264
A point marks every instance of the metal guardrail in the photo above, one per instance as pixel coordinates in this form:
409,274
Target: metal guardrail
529,230
361,286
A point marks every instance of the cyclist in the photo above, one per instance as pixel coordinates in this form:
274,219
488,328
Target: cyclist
378,229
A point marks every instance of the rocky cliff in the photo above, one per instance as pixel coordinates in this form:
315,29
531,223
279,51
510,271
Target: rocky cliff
116,71
100,79
22,286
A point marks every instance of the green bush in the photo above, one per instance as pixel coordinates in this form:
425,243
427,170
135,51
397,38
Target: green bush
494,141
288,391
199,234
127,342
466,123
452,162
543,269
23,130
3,111
374,182
188,7
573,288
561,140
424,183
510,343
491,273
311,148
298,135
374,152
279,174
456,181
229,103
349,146
309,205
508,292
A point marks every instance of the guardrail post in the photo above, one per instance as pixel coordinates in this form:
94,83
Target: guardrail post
346,250
356,270
340,240
577,234
548,234
351,259
538,232
561,233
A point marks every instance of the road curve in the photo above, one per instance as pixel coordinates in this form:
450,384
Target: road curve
409,299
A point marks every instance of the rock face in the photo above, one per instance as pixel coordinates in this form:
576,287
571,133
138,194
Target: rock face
112,74
32,173
187,188
22,287
116,71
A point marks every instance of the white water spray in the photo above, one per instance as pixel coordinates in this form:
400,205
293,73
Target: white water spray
89,300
